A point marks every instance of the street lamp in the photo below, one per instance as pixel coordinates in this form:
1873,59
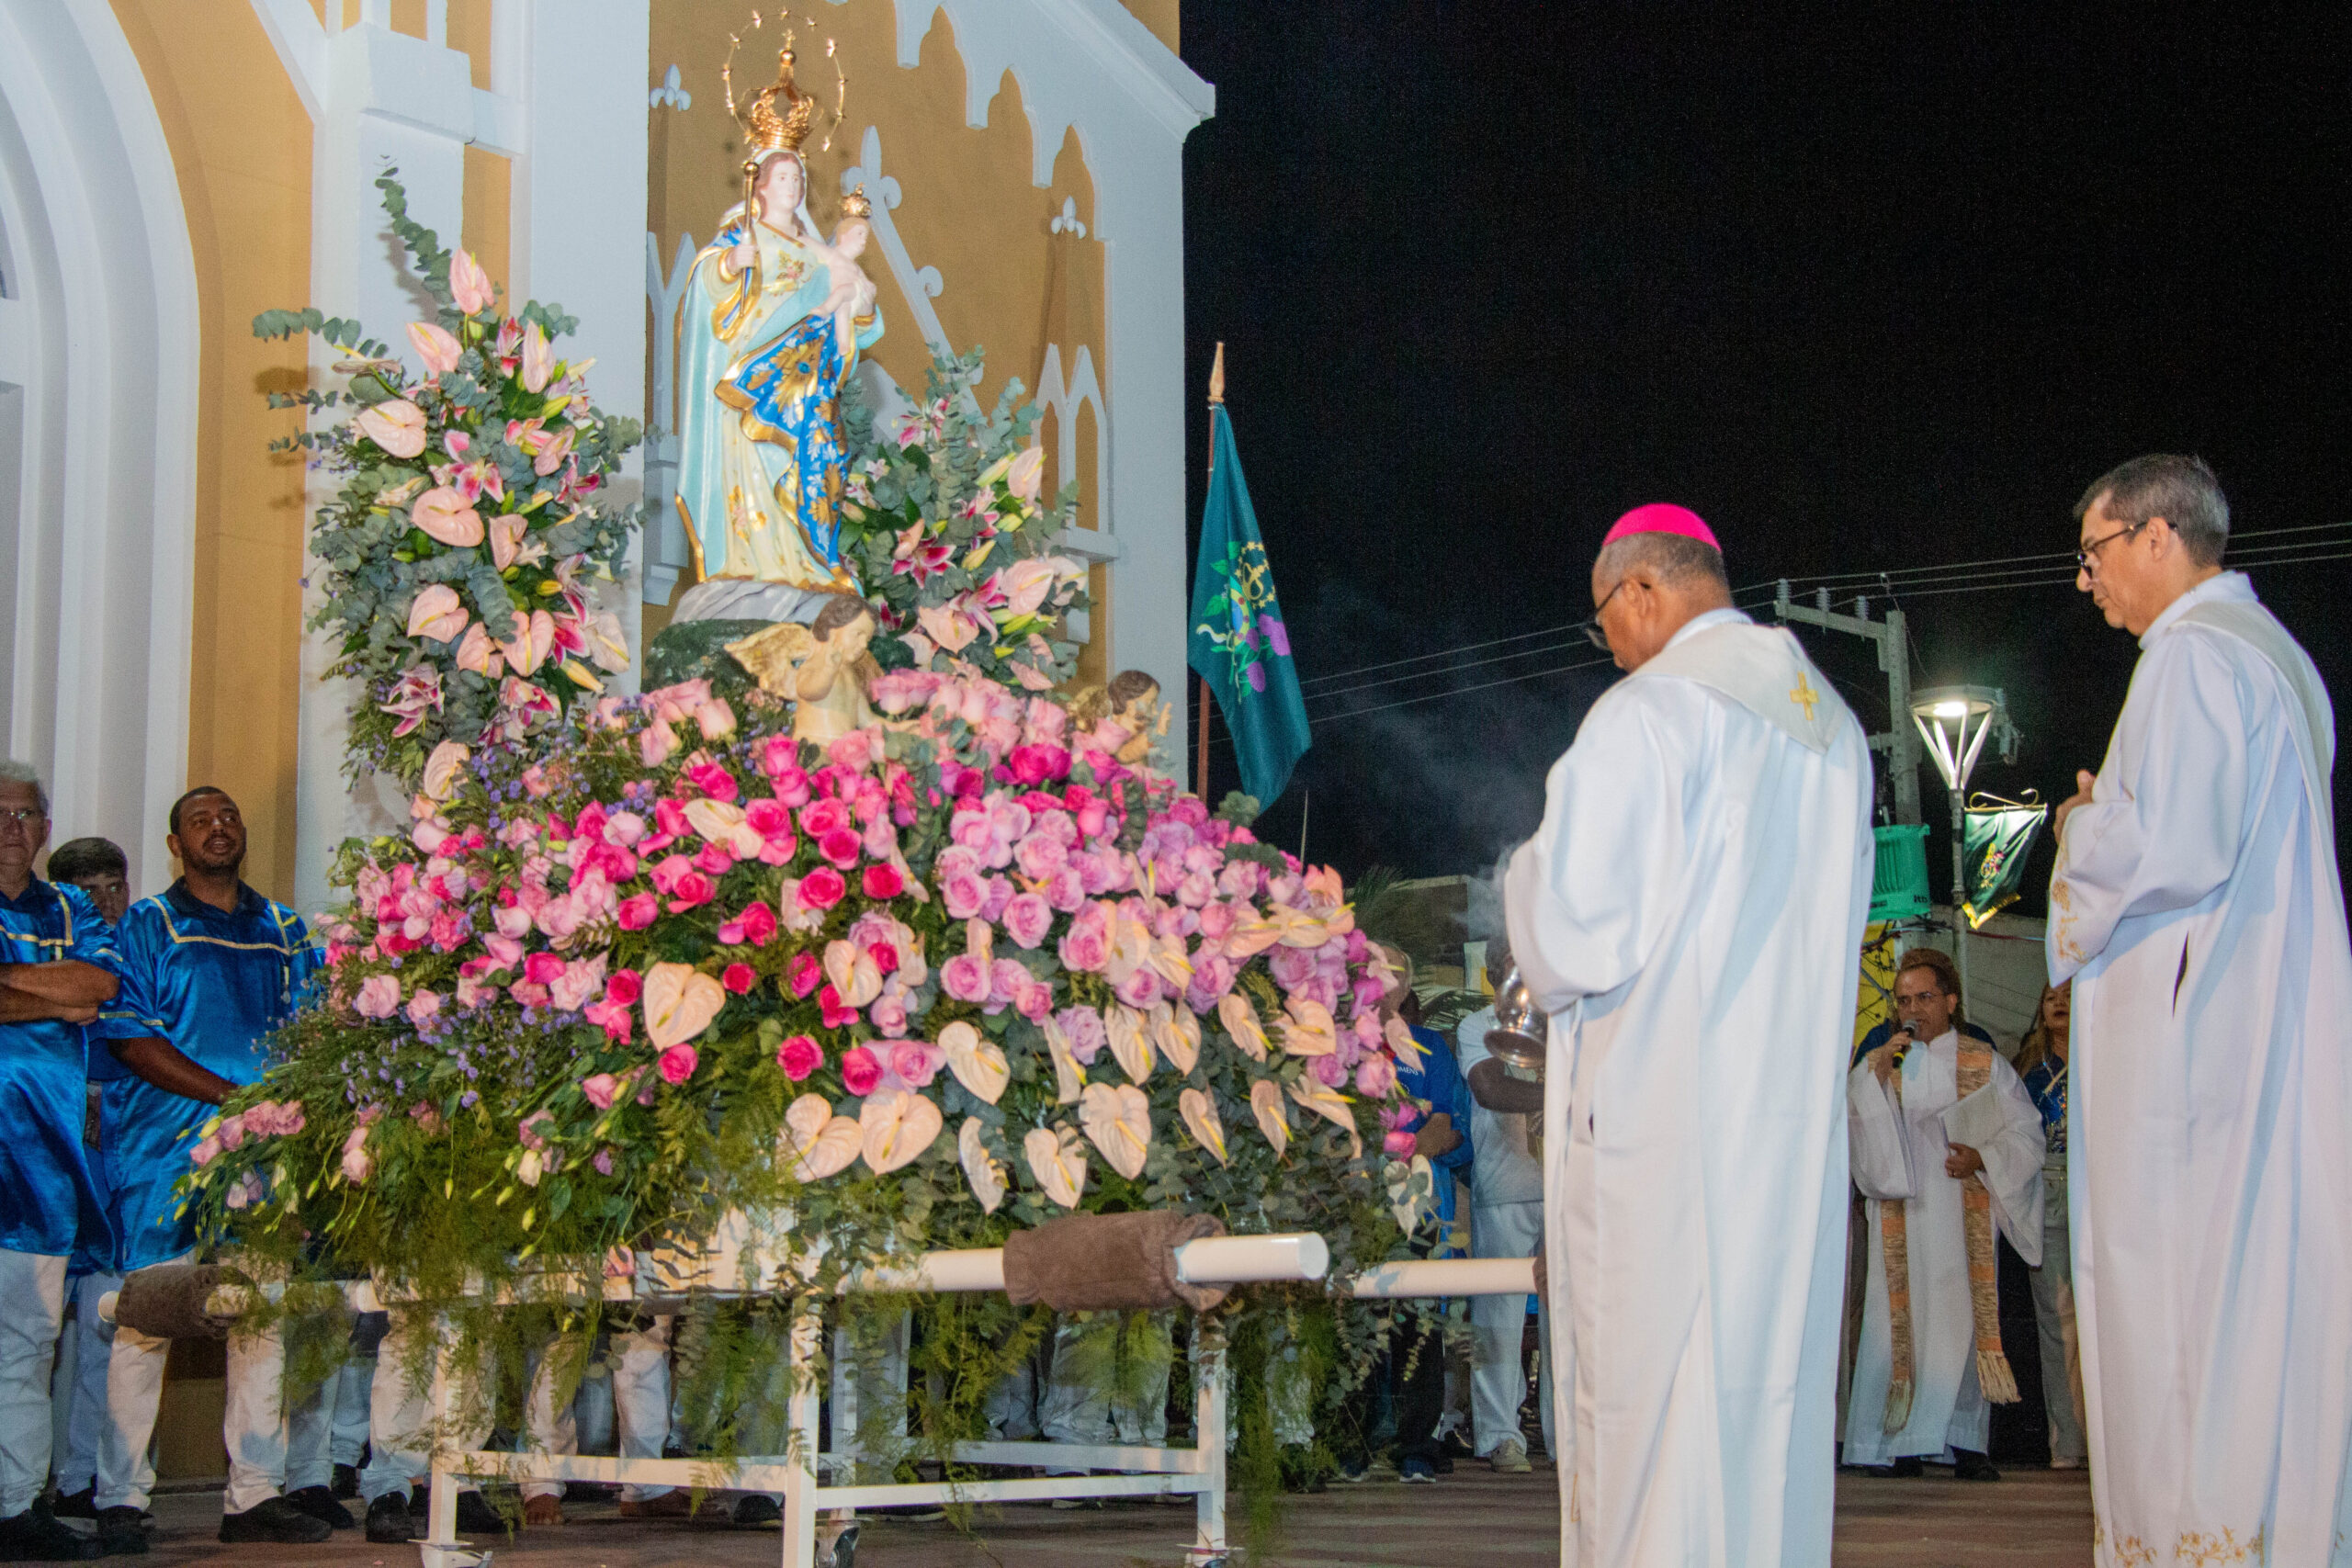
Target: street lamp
1955,722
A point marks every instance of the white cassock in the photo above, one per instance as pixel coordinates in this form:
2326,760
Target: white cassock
1898,1156
2197,908
1690,916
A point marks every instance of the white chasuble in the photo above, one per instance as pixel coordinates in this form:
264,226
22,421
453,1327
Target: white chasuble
2197,908
1690,915
1898,1154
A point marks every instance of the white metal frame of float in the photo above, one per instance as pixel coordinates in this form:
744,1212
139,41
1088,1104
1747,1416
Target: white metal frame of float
1135,1472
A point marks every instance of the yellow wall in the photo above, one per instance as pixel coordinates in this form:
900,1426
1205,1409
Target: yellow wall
1159,15
241,147
969,207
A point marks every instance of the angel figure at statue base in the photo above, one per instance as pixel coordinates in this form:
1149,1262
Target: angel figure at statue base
822,668
1125,720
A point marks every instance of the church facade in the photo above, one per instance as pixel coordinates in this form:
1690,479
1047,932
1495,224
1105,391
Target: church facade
168,171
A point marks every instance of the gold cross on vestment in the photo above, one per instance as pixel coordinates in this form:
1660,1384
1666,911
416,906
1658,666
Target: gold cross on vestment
1804,695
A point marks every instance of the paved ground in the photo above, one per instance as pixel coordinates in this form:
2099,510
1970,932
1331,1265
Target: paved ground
2033,1520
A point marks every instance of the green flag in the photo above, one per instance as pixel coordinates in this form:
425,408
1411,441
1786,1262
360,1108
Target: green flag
1239,643
1999,836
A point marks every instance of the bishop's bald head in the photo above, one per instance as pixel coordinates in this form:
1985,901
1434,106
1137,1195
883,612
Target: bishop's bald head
1659,567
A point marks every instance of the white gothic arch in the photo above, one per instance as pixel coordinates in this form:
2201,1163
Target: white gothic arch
98,387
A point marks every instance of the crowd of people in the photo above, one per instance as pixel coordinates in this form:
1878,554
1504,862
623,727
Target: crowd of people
2175,1153
1687,916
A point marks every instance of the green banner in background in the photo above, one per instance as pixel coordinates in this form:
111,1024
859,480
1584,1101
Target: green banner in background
1999,839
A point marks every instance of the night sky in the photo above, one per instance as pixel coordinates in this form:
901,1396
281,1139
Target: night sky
1869,291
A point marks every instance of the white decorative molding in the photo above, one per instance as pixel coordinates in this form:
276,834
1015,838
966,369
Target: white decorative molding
1066,221
919,285
294,31
100,351
670,95
1063,399
666,557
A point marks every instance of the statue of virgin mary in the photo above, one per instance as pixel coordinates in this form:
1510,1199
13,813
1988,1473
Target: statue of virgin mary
760,362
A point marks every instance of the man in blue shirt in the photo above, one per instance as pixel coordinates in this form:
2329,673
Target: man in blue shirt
99,868
211,970
56,968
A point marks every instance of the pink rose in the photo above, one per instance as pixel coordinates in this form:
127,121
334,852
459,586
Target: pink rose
1398,1144
889,1014
966,977
860,1071
739,977
638,910
1140,988
963,895
1082,1027
804,973
822,888
835,1011
600,1090
713,781
1328,1071
798,1056
840,846
380,995
755,925
694,890
543,969
915,1062
1375,1077
1027,919
883,882
1033,999
1086,946
677,1063
624,988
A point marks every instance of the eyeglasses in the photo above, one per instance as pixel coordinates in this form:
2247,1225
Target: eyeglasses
1592,632
26,818
2087,558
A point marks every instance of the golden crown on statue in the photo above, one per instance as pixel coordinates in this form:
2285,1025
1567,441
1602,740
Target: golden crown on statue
854,204
778,117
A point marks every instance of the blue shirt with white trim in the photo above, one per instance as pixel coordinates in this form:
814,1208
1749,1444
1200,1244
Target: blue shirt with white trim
46,1190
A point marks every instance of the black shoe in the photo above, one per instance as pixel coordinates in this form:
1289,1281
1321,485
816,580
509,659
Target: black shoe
476,1516
1970,1465
759,1511
346,1482
275,1519
389,1520
122,1532
34,1536
1910,1466
82,1505
320,1504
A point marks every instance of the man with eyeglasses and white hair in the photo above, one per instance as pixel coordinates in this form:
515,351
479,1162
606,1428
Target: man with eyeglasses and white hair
2198,908
58,966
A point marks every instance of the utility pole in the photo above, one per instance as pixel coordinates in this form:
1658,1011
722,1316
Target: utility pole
1900,743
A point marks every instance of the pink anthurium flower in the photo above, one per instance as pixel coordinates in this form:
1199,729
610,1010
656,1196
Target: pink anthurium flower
443,514
470,285
534,636
437,614
434,346
538,360
398,426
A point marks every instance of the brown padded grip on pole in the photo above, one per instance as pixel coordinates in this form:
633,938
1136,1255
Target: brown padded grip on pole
167,1300
1108,1262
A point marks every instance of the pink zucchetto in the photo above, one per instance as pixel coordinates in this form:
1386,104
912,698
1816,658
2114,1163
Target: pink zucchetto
1662,517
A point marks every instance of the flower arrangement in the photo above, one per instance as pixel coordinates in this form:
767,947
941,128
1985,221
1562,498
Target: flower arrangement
944,519
462,551
961,971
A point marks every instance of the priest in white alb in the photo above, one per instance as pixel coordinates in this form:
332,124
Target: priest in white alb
1948,1148
1690,916
2197,908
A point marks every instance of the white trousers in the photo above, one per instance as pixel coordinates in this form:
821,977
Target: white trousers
1077,1408
400,1420
33,1306
272,1449
1497,1376
78,1393
640,1407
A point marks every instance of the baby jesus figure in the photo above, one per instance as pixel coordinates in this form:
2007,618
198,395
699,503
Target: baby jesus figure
851,292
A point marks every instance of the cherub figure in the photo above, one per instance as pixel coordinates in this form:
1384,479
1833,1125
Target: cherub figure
822,668
1124,719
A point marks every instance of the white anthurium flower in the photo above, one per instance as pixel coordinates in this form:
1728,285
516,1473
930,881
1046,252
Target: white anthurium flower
1240,1020
1130,1043
1266,1101
1057,1160
1118,1119
898,1126
980,1168
979,1064
1200,1119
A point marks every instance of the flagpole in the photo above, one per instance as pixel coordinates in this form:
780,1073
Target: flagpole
1216,399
